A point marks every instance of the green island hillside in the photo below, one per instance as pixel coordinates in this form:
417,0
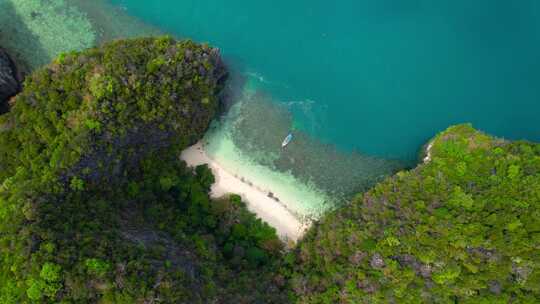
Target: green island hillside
462,228
95,205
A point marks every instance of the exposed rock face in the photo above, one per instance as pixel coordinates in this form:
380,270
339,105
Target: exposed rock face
9,80
377,261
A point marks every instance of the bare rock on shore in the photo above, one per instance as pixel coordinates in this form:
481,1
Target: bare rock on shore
9,80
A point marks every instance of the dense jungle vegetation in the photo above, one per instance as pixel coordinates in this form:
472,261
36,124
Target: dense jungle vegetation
463,228
96,207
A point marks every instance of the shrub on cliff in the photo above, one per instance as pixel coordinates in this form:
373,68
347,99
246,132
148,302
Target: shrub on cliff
462,228
89,115
95,205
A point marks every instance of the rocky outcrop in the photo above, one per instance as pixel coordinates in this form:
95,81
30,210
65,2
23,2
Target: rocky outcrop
125,101
9,80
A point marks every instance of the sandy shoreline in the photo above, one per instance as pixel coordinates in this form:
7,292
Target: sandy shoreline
276,214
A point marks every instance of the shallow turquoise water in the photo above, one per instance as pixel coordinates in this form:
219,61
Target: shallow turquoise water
362,84
379,76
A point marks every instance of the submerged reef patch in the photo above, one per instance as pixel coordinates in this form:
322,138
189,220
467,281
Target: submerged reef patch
39,30
259,125
36,31
312,177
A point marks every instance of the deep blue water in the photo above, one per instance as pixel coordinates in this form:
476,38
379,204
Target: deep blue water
378,76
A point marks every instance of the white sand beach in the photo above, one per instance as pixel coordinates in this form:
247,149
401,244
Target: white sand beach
288,226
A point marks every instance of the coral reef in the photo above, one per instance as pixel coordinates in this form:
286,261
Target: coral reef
260,124
39,30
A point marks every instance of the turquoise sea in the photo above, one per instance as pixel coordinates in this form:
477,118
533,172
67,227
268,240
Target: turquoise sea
361,84
379,76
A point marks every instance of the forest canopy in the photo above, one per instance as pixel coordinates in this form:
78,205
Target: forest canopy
462,228
96,207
